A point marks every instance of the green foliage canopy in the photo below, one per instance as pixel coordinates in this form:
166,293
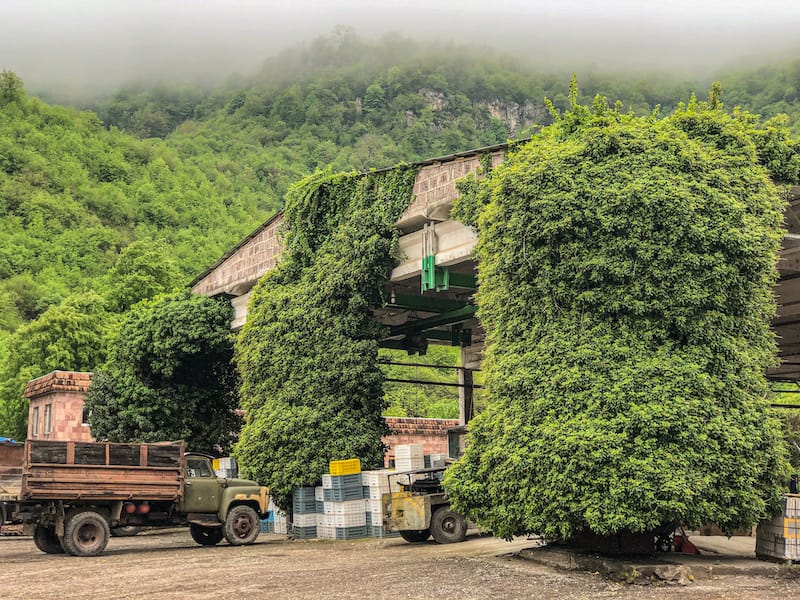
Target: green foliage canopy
170,375
625,274
311,387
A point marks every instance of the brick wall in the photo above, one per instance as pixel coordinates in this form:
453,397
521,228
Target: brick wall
245,264
431,433
436,183
61,393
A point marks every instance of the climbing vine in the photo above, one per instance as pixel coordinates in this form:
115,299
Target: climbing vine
311,386
625,274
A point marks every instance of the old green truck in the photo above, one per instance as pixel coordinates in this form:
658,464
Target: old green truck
71,494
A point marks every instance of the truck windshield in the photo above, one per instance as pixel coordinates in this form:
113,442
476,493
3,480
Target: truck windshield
198,467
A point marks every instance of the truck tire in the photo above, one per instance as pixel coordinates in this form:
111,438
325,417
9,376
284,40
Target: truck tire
46,540
205,536
125,530
86,533
415,536
448,527
242,526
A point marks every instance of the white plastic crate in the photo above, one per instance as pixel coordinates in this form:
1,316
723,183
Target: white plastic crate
437,460
327,482
373,506
326,533
409,451
349,507
308,520
328,508
375,478
326,520
319,493
377,493
281,527
409,464
350,520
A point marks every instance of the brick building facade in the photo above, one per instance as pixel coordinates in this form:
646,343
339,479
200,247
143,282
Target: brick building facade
56,407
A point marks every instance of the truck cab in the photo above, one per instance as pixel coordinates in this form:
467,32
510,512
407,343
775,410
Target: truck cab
218,507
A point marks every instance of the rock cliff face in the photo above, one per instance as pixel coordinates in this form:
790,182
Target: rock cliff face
516,116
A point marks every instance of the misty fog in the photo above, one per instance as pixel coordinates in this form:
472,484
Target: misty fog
76,47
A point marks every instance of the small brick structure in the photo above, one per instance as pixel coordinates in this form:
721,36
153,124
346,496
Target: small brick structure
431,433
56,407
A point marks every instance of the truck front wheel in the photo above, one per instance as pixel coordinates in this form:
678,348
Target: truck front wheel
448,527
46,540
205,536
85,534
242,526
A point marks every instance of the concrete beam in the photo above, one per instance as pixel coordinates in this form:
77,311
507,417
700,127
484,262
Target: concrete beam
453,242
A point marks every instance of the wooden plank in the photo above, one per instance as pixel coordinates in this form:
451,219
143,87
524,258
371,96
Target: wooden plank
46,452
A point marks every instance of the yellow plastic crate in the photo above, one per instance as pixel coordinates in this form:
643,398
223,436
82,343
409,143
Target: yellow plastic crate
345,467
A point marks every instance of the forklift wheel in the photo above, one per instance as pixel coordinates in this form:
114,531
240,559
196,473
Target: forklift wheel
448,527
415,536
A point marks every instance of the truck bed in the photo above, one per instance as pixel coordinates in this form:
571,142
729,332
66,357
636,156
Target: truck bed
102,471
11,456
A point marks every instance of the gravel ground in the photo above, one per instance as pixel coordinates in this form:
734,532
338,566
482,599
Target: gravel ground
168,564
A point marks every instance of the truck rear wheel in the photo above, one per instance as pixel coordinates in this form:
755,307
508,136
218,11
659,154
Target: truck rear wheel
46,540
415,536
448,527
205,536
242,526
85,534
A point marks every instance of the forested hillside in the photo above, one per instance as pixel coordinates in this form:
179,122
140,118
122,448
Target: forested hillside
104,205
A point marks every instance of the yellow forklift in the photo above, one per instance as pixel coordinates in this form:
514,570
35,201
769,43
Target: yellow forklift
421,508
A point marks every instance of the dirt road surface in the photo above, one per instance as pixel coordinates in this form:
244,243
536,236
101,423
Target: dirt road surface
170,565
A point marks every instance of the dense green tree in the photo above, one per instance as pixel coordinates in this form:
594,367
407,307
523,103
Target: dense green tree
143,270
169,375
625,273
311,386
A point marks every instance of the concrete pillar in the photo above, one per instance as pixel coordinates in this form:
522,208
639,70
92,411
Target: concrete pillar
465,396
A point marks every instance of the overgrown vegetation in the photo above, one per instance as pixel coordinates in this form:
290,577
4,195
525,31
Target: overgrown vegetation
170,375
77,188
311,386
626,268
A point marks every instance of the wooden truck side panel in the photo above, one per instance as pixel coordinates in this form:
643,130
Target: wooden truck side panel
102,471
11,457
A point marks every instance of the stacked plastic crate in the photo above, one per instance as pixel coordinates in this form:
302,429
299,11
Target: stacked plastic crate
376,484
409,457
268,524
304,513
779,538
343,515
225,467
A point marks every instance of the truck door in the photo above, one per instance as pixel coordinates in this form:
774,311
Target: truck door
202,490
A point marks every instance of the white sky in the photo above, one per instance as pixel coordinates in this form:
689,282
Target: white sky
78,43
